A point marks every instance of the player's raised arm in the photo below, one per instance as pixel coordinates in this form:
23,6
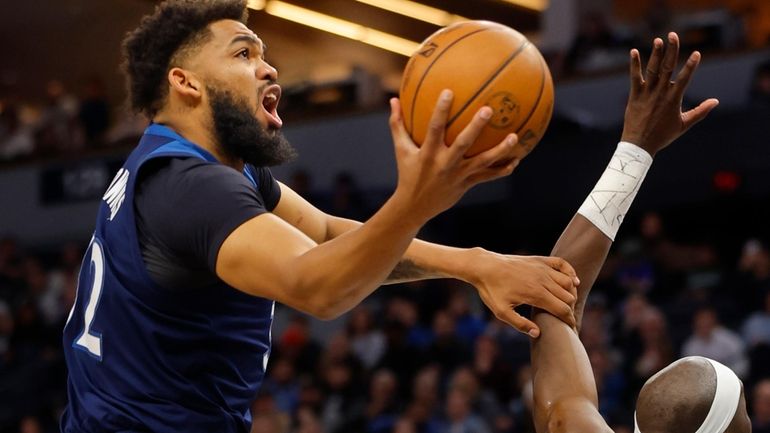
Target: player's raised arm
268,257
564,386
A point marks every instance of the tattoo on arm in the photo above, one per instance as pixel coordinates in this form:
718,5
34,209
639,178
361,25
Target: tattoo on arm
406,270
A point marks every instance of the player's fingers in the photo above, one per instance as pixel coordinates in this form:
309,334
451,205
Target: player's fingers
685,75
635,73
698,113
398,131
668,65
510,316
652,72
492,173
565,288
562,266
563,310
437,124
470,133
500,155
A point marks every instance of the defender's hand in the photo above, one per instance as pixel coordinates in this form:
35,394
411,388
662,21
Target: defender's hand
505,282
433,177
654,116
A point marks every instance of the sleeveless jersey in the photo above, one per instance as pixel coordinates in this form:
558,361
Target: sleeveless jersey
143,358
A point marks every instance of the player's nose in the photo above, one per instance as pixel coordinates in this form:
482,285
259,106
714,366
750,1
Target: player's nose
267,72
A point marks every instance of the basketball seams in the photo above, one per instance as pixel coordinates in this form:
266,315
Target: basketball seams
489,81
539,97
410,127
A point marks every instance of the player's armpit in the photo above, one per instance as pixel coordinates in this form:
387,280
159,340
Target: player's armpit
575,415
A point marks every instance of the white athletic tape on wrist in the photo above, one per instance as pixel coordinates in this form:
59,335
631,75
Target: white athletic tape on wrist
725,403
608,203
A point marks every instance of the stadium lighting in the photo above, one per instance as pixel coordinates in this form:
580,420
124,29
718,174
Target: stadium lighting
417,11
337,26
535,5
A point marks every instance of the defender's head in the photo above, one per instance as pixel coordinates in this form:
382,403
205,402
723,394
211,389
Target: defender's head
693,394
196,60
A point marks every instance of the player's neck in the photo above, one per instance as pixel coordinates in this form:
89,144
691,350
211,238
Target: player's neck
193,130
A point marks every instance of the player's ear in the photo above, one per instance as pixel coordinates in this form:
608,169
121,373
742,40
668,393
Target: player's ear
185,83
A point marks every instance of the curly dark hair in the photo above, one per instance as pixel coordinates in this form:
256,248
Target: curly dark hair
164,39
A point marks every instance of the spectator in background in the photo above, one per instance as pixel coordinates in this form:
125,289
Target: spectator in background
425,406
610,382
467,325
657,350
298,346
494,374
760,404
15,138
57,131
383,407
6,330
447,349
759,97
460,417
94,112
596,47
347,199
753,279
712,340
404,311
756,328
367,342
282,384
302,183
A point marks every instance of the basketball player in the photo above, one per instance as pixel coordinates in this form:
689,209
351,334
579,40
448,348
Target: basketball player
195,240
691,395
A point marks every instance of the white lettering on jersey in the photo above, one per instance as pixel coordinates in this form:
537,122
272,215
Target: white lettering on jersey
116,192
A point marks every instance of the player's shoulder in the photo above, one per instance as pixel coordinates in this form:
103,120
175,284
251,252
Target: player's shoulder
181,171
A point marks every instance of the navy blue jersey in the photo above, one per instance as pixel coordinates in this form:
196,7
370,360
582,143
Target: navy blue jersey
143,358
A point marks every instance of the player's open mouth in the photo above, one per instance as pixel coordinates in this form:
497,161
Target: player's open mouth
270,98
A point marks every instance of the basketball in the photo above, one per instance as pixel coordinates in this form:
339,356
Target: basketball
483,63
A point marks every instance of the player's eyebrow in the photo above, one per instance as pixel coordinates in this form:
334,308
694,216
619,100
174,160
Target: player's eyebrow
250,39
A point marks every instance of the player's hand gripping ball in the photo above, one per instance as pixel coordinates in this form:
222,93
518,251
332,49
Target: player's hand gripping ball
483,63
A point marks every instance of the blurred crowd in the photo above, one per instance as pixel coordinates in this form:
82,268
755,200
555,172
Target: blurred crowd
64,123
428,357
69,122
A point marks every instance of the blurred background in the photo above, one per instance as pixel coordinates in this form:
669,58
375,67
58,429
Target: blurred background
689,273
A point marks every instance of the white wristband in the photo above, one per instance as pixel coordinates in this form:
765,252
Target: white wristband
608,203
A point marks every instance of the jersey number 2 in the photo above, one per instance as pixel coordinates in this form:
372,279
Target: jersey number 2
88,340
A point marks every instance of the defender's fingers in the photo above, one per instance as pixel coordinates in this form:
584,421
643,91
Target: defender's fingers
438,120
685,75
698,113
522,324
669,59
471,132
652,73
637,80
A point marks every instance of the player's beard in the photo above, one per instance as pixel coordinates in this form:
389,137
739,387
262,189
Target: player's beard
240,135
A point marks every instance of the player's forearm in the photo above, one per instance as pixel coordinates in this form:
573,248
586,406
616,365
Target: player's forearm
421,261
562,371
586,248
340,273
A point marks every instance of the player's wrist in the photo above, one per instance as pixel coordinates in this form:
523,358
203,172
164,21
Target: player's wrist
607,204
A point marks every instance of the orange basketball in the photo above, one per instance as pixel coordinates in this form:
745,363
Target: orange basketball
483,63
